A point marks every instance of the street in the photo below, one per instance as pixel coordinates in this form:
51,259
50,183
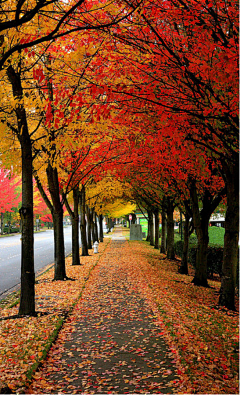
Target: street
10,256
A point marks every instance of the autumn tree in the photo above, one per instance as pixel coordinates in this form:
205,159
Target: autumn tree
9,196
176,76
21,33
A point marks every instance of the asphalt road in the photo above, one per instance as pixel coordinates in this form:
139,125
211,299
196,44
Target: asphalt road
10,256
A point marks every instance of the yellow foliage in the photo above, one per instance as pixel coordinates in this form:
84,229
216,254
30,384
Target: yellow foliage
103,194
119,208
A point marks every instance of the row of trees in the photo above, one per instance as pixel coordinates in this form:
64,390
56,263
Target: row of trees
139,95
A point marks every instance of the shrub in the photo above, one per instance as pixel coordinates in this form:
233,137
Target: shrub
214,257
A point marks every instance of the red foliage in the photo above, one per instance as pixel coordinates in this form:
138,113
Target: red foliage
9,197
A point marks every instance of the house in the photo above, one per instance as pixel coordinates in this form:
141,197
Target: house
217,220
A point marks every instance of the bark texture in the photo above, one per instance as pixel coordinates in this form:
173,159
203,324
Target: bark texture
27,298
231,238
2,223
183,268
89,229
170,230
83,225
163,248
100,228
75,228
156,214
150,226
57,213
96,227
201,222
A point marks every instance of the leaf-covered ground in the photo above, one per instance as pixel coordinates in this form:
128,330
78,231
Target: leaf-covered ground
112,342
139,327
24,342
205,337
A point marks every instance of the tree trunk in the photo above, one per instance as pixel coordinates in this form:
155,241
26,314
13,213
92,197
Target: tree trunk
200,277
170,230
148,232
2,223
109,223
100,228
150,225
201,221
59,261
96,227
230,253
89,231
27,298
163,248
57,213
156,213
183,269
83,223
92,225
75,228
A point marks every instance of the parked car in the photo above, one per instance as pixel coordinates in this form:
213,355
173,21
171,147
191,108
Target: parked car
11,228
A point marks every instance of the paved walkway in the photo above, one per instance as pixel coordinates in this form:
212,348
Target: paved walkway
111,343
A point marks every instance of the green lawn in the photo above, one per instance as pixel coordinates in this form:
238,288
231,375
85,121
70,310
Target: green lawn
216,236
144,224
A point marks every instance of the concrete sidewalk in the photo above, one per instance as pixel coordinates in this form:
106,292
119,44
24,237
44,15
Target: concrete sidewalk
112,342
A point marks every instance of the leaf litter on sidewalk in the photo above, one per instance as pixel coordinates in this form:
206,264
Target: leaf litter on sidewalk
25,341
116,345
202,339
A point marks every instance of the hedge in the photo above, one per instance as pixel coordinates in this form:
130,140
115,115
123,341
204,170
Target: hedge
214,257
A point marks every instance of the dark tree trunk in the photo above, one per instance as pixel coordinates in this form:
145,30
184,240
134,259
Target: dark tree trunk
57,213
75,228
59,261
230,254
54,189
109,224
150,225
170,230
92,225
201,222
100,228
163,248
200,277
27,298
2,223
183,269
89,231
148,232
83,223
156,213
96,227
